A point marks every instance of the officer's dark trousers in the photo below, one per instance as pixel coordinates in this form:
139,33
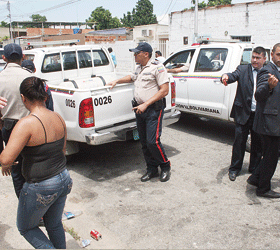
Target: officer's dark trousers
265,170
239,146
149,125
17,177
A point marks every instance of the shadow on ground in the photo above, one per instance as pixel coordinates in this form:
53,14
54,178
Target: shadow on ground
108,161
218,130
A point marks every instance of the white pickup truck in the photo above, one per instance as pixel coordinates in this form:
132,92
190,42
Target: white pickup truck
94,114
199,90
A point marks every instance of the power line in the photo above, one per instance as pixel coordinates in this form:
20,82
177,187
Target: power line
167,10
51,8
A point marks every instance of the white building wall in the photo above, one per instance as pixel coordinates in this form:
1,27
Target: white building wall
260,20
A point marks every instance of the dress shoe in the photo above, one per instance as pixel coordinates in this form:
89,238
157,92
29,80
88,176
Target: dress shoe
251,182
165,175
270,194
148,176
232,176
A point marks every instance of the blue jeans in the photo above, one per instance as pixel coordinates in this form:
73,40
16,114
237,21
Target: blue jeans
44,199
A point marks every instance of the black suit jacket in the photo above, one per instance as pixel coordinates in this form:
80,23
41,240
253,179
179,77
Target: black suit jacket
267,118
241,108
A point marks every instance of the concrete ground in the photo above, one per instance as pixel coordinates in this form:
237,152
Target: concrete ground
199,208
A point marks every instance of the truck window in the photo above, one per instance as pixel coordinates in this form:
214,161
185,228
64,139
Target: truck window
29,57
99,58
69,60
51,63
180,59
247,54
211,59
84,59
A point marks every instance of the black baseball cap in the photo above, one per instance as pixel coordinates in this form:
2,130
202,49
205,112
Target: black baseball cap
11,49
142,47
28,64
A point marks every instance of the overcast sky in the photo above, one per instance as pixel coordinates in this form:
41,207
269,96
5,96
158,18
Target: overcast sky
79,10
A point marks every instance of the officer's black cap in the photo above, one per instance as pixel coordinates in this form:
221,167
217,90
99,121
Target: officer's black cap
28,64
145,47
11,49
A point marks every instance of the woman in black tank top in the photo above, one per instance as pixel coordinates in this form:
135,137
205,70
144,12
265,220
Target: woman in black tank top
40,138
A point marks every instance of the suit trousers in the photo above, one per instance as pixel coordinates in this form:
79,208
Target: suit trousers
239,146
265,170
18,179
149,125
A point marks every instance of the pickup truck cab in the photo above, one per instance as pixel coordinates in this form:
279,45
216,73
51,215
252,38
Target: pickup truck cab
199,90
94,113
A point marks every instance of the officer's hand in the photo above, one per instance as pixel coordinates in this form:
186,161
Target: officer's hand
272,81
113,84
3,102
224,79
140,108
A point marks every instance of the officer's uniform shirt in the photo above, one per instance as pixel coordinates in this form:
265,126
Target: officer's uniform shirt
10,79
147,80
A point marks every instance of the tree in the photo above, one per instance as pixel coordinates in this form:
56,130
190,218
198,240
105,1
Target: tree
218,2
36,22
103,19
4,24
38,18
142,14
127,20
212,3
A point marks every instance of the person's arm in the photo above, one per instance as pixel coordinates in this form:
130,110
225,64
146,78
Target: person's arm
19,138
265,85
231,77
125,79
163,91
175,70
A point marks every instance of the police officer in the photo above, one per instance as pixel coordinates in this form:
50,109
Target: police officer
10,80
151,86
28,64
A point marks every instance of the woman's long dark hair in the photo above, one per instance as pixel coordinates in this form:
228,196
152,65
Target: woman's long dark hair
33,88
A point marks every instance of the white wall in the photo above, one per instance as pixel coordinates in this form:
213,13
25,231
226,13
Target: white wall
125,59
260,20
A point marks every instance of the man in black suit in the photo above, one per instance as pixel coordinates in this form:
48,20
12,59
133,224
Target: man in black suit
243,112
267,124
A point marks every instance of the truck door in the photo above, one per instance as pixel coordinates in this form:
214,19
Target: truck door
206,92
180,60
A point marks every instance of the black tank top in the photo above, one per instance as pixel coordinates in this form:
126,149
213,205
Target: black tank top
43,161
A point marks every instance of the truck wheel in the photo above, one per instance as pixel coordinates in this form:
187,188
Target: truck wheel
248,143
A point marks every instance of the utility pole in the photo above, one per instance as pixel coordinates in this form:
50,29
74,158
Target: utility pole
9,9
196,21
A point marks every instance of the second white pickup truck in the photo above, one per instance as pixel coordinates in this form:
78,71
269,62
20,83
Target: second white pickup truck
199,89
94,114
